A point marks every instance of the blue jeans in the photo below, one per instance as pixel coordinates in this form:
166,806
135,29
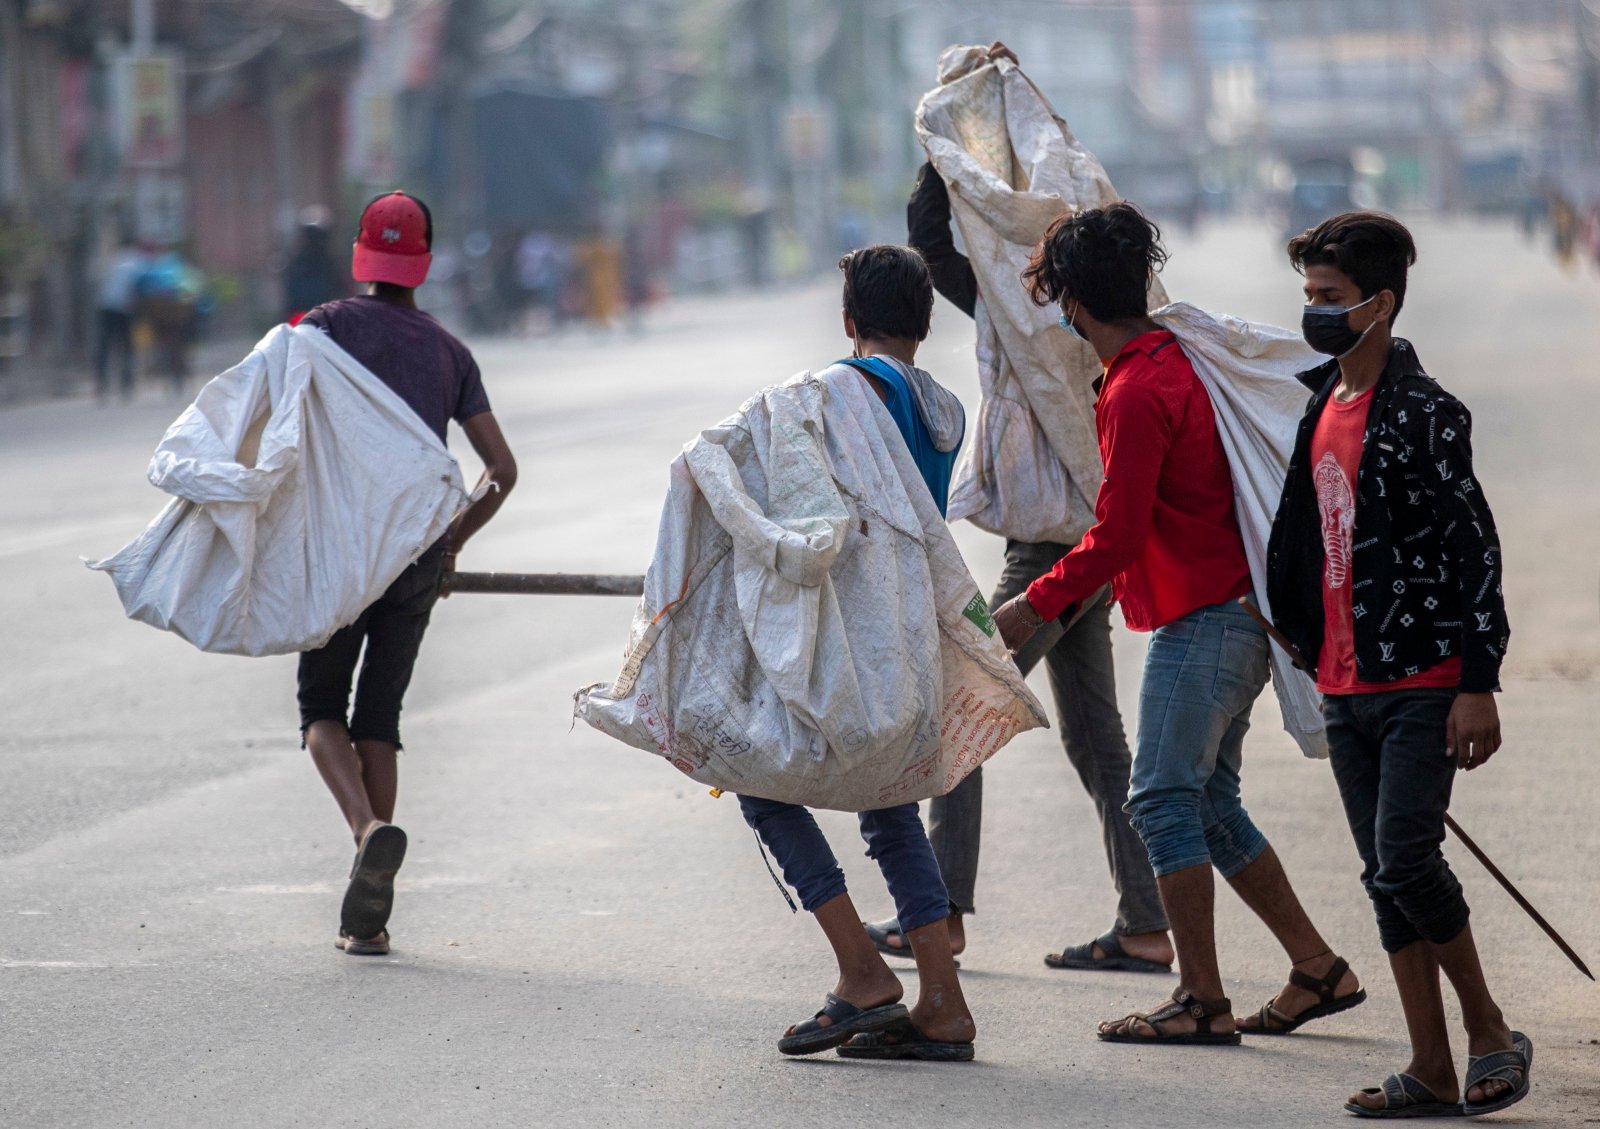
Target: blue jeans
1201,676
1387,752
896,841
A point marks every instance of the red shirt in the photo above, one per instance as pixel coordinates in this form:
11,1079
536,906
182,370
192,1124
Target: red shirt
1165,534
1336,466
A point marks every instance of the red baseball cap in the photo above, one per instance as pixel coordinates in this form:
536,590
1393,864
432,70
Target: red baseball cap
395,241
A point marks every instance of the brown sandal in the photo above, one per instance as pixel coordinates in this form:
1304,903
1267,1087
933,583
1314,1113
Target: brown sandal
1183,1002
1271,1021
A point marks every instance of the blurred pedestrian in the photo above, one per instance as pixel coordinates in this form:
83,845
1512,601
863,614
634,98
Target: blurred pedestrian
1167,539
118,298
1407,649
540,272
356,753
888,304
170,292
1077,654
313,275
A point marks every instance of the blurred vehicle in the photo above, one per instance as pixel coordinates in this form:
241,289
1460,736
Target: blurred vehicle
1322,188
1165,188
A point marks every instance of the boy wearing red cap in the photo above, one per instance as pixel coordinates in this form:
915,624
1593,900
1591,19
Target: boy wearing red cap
435,374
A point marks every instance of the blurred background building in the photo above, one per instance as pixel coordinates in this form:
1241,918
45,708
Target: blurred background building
585,157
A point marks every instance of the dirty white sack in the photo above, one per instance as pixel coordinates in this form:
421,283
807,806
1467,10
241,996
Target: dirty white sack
1249,371
1032,468
302,486
809,631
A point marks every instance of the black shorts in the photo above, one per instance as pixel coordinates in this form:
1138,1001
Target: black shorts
392,629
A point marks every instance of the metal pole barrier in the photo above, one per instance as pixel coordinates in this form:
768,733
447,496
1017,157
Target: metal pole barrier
545,583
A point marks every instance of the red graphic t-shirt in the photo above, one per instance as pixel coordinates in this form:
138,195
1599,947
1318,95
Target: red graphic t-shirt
1336,464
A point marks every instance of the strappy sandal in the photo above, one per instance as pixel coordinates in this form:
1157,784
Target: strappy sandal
369,947
1271,1021
878,933
1183,1002
1113,958
845,1020
1404,1096
1514,1066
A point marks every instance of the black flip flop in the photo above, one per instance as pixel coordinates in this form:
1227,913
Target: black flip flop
370,896
878,933
1323,988
1116,958
1514,1066
904,1041
1404,1096
810,1037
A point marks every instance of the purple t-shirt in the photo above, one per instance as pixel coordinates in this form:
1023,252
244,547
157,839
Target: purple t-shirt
410,352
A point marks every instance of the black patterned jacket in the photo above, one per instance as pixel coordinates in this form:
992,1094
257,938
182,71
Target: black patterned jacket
1425,557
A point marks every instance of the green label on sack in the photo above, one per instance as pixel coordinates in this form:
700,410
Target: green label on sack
978,612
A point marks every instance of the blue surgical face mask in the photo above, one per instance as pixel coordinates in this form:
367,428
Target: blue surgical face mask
1065,322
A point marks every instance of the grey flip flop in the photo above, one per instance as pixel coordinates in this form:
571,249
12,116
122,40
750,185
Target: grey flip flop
1514,1066
1404,1096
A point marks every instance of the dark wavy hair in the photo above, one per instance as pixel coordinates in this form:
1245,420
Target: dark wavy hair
1104,258
888,292
1373,249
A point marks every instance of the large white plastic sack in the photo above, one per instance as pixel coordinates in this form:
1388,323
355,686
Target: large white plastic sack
809,632
1249,371
1032,468
303,486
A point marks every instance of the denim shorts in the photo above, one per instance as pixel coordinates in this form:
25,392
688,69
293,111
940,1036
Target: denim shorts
391,629
1202,674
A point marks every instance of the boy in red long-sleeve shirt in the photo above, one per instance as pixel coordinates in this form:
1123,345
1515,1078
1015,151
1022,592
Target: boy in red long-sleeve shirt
1167,540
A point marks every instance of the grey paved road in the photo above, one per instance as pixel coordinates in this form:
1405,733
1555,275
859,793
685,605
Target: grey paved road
585,938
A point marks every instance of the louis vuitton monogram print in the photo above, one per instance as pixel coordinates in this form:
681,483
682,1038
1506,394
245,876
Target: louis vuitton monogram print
1424,561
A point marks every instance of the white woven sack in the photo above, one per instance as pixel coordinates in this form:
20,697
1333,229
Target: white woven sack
1011,164
303,486
809,632
1250,372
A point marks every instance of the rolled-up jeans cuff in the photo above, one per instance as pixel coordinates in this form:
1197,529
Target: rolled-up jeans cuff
1166,866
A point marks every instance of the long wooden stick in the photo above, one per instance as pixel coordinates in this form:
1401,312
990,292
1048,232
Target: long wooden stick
1295,657
545,583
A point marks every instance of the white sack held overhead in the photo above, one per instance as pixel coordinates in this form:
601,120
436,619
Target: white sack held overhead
1249,372
1032,468
303,486
809,632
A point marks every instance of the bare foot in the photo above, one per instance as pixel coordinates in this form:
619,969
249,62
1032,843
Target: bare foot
943,1025
1145,946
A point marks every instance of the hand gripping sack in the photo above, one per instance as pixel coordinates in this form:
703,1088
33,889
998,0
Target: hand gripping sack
809,632
303,486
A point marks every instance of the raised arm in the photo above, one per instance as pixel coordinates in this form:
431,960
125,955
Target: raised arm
928,230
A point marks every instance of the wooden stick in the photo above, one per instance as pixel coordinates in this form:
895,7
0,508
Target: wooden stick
1466,840
545,583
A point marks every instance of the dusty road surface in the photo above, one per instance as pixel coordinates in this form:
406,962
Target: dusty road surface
582,936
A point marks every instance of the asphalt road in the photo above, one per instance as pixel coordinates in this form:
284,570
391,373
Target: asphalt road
582,936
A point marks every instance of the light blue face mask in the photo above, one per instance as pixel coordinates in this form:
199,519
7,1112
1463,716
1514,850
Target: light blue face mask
1065,322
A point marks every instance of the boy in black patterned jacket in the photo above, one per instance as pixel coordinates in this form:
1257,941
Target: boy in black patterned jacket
1384,572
